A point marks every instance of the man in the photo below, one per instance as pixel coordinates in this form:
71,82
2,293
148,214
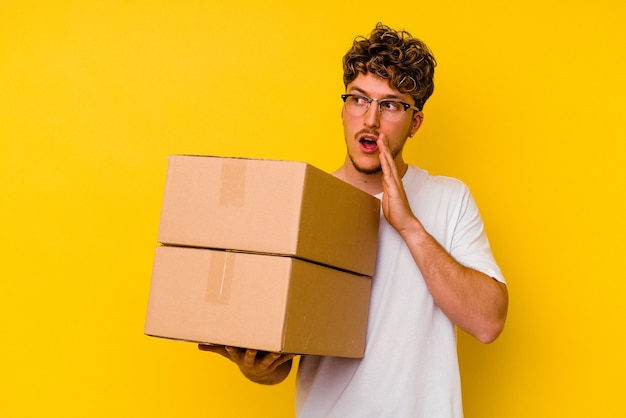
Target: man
435,270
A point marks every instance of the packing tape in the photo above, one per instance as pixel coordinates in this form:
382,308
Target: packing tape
233,182
221,272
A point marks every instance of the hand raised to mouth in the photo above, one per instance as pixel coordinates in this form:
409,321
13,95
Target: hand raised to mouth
395,204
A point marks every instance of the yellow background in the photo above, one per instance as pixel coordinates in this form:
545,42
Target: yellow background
94,95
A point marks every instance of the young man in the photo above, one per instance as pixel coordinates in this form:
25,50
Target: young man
435,270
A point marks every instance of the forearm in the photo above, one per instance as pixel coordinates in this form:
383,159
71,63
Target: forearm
472,300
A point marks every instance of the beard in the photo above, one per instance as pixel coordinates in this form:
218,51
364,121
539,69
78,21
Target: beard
365,170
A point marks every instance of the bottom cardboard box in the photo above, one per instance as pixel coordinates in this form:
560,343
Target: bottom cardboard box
264,302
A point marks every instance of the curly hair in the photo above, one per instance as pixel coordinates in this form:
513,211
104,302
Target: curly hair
396,56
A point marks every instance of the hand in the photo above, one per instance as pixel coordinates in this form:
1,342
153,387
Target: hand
395,203
257,366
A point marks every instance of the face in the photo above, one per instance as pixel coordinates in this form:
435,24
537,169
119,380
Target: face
362,131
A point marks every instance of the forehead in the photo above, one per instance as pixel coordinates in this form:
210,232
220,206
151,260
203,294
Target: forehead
373,86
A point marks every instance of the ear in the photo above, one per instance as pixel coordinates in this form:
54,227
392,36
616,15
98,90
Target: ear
416,122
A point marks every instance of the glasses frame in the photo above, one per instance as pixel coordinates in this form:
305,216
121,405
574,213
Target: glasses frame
379,102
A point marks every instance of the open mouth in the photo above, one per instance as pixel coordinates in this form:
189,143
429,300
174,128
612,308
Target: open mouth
368,144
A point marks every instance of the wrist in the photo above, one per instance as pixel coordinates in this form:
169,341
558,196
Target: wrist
413,231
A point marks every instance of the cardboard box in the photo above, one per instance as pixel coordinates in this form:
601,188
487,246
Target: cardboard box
267,206
265,302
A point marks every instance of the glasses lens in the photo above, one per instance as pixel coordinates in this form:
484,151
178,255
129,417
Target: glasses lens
357,105
390,110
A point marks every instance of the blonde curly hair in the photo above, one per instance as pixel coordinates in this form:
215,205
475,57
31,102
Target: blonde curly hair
396,56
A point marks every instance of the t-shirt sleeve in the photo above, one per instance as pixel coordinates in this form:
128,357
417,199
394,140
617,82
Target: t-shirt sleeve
470,245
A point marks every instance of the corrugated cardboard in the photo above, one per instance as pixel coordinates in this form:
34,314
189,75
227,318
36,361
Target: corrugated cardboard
265,302
267,206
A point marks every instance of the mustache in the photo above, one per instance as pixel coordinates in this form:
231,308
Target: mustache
362,132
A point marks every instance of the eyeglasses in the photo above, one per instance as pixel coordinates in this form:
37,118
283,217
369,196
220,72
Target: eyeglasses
390,109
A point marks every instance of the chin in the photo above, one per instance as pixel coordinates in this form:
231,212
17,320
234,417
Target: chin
366,169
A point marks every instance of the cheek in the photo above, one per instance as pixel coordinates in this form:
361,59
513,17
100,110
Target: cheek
344,119
404,132
350,124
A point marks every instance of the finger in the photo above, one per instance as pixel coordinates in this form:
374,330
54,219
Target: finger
284,359
383,153
233,353
382,148
386,161
249,358
391,163
219,349
209,347
269,360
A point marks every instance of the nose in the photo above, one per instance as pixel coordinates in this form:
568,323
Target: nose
372,115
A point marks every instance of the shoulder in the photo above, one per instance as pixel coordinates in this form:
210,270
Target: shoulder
419,179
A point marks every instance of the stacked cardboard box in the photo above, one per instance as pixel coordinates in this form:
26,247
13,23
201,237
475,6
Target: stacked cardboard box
271,255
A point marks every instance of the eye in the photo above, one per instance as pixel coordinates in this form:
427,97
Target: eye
391,106
359,100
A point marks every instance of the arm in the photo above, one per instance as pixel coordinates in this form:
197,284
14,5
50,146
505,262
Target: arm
472,300
268,369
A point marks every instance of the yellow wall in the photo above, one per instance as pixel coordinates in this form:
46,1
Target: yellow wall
528,110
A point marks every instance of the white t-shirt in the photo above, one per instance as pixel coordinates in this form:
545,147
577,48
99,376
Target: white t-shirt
410,367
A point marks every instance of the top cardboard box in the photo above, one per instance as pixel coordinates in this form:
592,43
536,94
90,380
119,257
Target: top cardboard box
268,206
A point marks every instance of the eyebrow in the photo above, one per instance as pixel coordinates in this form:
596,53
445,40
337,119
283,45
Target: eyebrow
388,96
